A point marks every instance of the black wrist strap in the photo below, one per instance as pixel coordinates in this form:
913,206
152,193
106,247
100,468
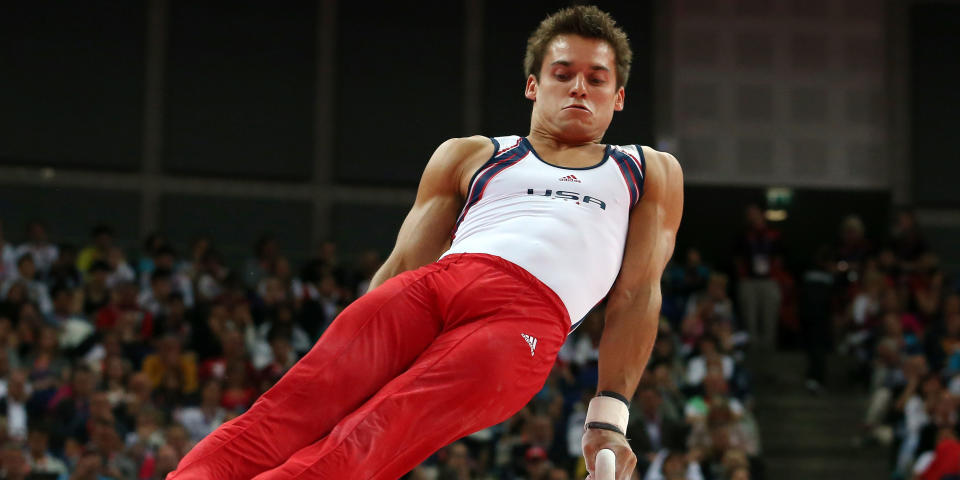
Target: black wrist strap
608,393
605,426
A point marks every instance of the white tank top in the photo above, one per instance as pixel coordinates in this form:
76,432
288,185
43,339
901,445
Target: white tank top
566,226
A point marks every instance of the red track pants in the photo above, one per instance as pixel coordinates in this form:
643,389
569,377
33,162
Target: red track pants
430,356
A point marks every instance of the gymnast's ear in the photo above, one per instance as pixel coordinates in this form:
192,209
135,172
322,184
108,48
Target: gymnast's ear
531,90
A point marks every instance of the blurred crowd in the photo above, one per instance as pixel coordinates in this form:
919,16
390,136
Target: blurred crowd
116,364
899,316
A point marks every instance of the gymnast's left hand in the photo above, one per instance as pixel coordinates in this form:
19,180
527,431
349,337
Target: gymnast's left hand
595,440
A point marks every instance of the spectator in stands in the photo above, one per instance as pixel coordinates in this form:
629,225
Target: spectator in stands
206,417
15,465
888,377
711,303
71,409
113,381
133,322
139,396
673,465
239,391
175,319
708,358
652,427
170,360
177,437
120,270
46,363
232,351
265,253
37,291
73,329
96,293
156,298
279,325
101,244
687,279
64,271
39,457
927,290
39,247
13,405
11,303
90,466
198,249
167,459
8,257
853,249
456,464
915,403
907,240
211,275
817,296
145,266
757,256
165,258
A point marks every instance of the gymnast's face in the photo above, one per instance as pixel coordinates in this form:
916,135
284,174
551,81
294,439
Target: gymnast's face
577,92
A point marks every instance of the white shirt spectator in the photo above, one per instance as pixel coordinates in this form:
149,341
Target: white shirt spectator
44,255
695,409
864,306
197,423
16,414
47,464
258,343
180,282
697,369
122,274
148,302
578,349
8,261
655,472
37,292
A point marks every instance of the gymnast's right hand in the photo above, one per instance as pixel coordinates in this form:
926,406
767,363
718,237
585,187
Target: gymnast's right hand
595,440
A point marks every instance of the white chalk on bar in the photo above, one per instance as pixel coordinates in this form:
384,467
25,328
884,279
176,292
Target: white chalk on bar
606,465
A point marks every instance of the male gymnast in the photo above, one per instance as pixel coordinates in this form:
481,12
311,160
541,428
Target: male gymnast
510,242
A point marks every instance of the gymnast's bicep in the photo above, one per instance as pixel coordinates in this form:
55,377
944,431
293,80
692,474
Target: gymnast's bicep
425,232
652,232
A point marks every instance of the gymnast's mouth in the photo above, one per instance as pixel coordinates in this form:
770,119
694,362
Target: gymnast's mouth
578,107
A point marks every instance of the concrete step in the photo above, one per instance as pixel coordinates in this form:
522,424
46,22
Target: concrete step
839,468
808,436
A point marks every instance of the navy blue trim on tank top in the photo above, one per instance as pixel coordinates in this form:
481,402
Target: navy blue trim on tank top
606,154
575,325
643,168
631,174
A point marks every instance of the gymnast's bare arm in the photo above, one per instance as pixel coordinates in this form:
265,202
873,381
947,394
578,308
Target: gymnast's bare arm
425,233
633,307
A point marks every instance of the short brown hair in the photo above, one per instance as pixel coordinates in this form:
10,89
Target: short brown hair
586,21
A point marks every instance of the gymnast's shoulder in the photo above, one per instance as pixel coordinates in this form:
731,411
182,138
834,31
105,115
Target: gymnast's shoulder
459,156
662,172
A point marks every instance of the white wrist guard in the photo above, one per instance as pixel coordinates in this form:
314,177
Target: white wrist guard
608,410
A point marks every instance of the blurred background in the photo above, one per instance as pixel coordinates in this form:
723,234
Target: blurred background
190,192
